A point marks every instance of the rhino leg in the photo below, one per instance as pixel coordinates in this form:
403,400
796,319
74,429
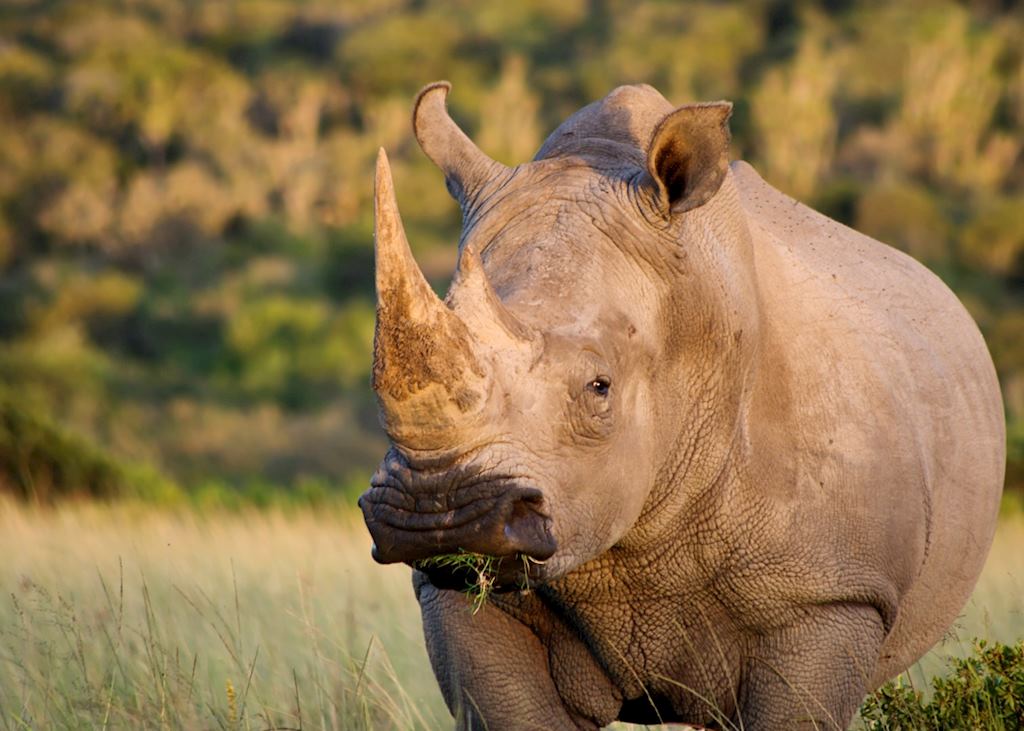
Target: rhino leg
492,669
814,673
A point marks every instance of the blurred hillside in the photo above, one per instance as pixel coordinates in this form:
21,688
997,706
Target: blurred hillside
185,224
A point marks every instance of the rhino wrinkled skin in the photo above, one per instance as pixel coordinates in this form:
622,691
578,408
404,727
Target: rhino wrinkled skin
745,461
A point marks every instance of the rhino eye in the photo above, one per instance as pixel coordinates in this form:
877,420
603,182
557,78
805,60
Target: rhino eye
600,385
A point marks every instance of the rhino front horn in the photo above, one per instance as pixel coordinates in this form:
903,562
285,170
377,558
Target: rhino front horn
425,372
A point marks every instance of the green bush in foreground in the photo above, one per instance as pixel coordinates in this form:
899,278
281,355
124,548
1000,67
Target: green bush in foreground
983,691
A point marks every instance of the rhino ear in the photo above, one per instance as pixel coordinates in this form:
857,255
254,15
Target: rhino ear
689,155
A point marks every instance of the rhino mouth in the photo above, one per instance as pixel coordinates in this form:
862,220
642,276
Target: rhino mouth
477,574
498,525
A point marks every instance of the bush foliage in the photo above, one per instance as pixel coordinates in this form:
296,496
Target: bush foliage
39,460
185,214
984,691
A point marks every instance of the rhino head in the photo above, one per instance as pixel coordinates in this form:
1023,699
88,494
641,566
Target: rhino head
582,380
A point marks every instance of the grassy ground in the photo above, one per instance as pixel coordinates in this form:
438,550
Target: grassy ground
128,617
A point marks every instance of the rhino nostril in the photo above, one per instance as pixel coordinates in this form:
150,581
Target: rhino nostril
531,496
527,529
526,504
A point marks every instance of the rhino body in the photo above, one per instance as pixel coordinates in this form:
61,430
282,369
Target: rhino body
741,463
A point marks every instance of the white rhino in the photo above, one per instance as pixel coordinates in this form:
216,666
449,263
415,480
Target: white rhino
738,463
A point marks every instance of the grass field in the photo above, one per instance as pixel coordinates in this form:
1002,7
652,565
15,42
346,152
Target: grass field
129,617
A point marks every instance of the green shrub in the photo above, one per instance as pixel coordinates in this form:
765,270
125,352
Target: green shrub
40,461
43,462
983,691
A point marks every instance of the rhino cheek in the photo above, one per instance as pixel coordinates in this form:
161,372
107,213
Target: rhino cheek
595,492
592,515
622,483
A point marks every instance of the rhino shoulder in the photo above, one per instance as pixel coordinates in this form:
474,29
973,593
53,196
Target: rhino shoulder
837,261
797,225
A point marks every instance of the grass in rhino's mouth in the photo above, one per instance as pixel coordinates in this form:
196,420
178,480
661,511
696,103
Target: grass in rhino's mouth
480,571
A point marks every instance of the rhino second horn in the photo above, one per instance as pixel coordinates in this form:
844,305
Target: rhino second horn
473,298
467,170
425,372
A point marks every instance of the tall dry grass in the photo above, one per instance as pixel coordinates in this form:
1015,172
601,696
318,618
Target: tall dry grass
134,618
128,617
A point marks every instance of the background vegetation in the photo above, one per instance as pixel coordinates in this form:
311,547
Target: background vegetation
185,249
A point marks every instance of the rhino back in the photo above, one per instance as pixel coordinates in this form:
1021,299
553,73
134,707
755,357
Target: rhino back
882,391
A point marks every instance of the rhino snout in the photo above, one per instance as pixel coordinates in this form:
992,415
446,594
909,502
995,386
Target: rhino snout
511,520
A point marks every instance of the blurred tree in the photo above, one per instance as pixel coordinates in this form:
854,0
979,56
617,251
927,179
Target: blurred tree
950,93
994,239
906,216
509,131
794,121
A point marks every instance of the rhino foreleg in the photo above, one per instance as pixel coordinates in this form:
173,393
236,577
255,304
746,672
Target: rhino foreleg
813,674
493,671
